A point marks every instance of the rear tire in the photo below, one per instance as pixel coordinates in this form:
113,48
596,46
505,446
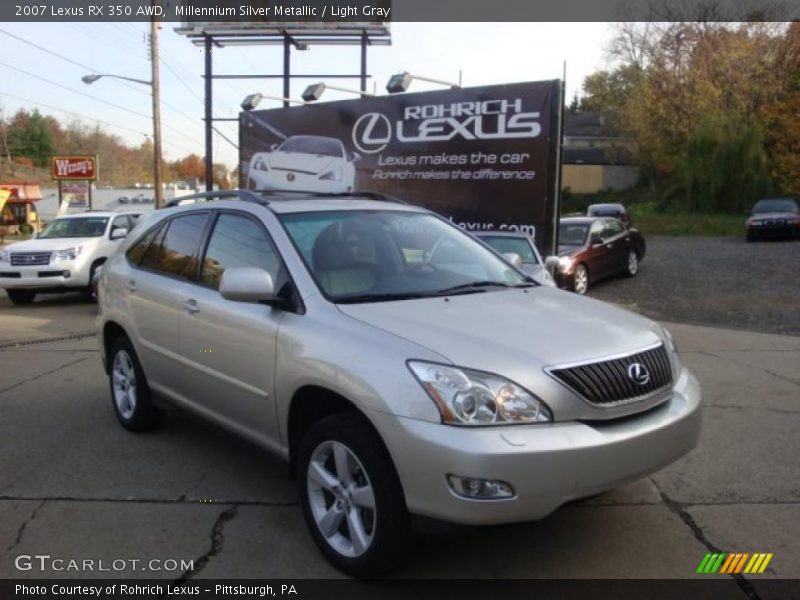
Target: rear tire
130,394
632,266
20,297
580,280
351,496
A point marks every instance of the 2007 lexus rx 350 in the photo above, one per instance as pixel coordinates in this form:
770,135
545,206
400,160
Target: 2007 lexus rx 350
400,365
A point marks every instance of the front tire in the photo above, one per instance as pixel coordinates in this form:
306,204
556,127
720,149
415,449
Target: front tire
20,297
351,496
580,280
130,394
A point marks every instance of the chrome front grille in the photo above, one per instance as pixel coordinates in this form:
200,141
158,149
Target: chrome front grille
30,259
611,382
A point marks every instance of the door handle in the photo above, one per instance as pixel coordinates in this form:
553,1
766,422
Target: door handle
190,306
130,285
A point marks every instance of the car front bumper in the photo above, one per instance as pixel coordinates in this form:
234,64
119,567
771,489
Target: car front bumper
781,229
279,180
55,275
547,465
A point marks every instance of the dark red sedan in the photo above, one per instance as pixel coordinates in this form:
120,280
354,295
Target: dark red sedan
592,248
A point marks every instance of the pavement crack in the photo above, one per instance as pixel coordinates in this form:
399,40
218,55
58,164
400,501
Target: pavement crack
21,530
180,500
45,374
217,541
780,411
680,511
749,366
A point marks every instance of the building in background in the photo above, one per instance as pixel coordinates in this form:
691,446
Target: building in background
597,155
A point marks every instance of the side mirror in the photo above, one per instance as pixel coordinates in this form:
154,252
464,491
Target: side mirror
551,264
514,258
355,157
247,284
273,147
118,233
595,240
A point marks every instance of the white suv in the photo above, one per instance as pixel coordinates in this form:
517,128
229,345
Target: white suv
64,256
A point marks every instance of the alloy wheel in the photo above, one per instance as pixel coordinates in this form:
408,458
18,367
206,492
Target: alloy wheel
341,499
581,280
633,263
124,384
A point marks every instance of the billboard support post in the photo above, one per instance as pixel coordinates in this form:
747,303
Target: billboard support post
287,56
209,115
364,42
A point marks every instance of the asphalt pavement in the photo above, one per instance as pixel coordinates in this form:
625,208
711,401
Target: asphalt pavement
75,485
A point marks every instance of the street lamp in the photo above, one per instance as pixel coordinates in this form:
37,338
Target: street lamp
253,100
90,79
315,90
401,81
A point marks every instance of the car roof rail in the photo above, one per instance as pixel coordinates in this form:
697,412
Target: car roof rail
245,195
301,194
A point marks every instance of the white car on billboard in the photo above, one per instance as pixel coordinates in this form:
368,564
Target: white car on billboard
307,163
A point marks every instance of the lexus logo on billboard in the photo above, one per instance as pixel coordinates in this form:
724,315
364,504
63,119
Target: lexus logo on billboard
481,120
372,133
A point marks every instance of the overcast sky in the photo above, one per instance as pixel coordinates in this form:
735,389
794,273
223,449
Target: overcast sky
487,53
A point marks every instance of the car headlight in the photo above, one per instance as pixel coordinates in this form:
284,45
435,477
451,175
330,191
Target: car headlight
4,256
672,348
332,175
68,253
260,165
565,263
467,397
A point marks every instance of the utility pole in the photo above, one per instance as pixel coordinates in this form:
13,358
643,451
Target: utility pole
159,197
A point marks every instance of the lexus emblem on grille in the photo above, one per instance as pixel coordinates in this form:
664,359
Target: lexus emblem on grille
30,258
290,176
638,373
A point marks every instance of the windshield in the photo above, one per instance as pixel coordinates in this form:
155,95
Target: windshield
369,256
778,205
573,234
74,228
504,245
313,145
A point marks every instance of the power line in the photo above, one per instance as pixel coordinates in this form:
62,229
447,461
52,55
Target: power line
224,137
74,91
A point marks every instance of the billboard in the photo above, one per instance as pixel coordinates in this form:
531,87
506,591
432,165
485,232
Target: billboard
79,168
484,157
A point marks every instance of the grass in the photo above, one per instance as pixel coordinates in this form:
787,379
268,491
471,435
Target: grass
650,219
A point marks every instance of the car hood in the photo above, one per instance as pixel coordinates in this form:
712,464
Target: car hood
49,245
516,334
569,250
301,162
540,324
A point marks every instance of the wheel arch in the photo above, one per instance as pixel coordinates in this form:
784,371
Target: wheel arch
112,331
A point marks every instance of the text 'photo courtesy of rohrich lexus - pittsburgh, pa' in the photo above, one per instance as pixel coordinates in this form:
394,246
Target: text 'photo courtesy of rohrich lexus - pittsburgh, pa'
401,366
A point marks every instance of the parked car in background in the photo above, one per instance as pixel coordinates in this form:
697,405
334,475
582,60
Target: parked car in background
521,244
592,248
774,218
306,163
64,256
615,210
395,379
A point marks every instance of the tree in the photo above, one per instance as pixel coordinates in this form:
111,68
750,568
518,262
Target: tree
610,91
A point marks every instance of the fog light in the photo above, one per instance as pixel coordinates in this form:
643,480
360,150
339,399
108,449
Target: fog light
480,489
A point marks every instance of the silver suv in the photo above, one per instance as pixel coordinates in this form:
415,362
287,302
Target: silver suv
401,366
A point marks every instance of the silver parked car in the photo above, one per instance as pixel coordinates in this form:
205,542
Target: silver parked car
396,380
521,246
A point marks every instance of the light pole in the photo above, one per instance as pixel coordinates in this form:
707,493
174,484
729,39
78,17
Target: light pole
156,93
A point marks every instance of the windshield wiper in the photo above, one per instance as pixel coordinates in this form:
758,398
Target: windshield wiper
384,297
476,285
